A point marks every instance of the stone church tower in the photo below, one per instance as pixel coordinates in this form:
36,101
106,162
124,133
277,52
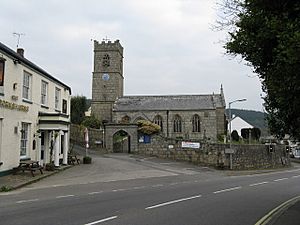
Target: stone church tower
107,78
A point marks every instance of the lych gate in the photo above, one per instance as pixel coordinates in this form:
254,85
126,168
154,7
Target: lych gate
121,138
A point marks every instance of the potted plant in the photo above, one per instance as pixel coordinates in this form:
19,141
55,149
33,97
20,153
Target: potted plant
87,160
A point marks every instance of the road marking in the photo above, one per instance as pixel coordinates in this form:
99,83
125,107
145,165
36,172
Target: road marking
140,187
229,189
157,185
175,183
295,176
117,190
103,220
29,200
277,211
265,182
173,202
95,192
64,196
281,179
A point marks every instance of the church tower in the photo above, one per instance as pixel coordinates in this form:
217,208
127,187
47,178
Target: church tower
107,78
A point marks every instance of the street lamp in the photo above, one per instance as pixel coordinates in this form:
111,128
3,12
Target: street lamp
229,109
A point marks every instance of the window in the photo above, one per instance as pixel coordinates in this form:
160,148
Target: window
57,98
158,120
24,139
177,124
2,63
27,86
196,123
64,106
125,119
44,91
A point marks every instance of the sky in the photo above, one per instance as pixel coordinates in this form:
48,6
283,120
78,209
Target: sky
169,45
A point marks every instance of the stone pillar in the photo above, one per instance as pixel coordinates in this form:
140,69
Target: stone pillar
56,149
66,148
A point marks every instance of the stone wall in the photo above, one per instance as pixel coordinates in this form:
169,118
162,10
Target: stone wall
95,137
245,156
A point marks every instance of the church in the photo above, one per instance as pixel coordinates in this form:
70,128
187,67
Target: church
185,117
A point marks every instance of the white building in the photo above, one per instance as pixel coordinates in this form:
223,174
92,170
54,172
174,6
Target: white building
34,113
237,123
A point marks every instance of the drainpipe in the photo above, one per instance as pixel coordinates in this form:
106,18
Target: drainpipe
167,123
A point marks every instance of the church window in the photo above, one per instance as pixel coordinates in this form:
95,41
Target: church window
196,123
158,120
177,124
125,119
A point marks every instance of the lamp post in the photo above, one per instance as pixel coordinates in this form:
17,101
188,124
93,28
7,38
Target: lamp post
229,109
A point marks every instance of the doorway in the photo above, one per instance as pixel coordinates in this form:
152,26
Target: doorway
121,142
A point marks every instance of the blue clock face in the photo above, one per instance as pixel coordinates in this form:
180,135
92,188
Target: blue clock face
105,77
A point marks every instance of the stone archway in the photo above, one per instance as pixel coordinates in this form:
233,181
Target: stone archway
128,131
121,142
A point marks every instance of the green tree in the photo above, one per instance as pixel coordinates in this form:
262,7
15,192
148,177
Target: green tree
266,33
78,107
235,136
91,121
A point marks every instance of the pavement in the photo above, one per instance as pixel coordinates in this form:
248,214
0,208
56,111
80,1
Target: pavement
288,213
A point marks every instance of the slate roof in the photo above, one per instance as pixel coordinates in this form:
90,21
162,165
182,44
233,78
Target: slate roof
169,102
17,57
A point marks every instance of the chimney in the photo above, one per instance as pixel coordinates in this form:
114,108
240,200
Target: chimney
20,51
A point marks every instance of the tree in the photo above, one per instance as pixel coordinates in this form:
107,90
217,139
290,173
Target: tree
235,136
78,107
147,127
266,33
91,121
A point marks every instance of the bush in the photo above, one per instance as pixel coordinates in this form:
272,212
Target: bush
5,188
147,127
87,160
50,167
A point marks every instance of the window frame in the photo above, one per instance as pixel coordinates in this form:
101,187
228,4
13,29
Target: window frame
177,124
196,124
158,120
24,141
27,79
2,75
57,98
44,95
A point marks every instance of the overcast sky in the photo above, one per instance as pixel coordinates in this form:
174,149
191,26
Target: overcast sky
169,46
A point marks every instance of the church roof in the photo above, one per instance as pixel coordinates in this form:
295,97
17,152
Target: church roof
169,102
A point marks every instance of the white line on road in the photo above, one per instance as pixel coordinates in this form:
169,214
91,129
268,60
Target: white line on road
64,196
157,185
265,182
229,189
29,200
285,178
295,176
140,187
95,192
117,190
172,202
103,220
175,183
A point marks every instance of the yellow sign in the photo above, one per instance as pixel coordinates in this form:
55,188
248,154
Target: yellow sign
12,106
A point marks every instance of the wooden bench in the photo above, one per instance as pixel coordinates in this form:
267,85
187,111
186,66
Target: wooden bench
28,165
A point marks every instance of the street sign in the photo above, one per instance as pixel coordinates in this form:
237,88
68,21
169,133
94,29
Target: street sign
229,151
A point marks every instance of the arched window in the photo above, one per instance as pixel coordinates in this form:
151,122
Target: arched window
196,123
158,120
125,119
177,124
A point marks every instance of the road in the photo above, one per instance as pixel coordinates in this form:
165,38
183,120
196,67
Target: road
123,190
